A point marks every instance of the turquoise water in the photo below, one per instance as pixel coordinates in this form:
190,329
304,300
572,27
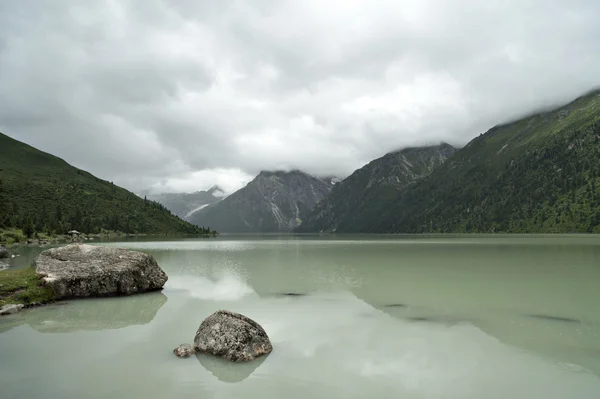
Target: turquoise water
378,317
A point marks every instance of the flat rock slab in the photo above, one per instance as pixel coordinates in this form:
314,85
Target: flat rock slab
232,336
81,271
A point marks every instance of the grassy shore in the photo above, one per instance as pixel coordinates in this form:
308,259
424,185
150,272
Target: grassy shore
23,286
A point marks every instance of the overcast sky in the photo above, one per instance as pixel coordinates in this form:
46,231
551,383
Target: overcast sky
181,95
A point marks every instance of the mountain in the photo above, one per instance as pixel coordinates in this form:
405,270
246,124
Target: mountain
41,192
185,204
362,196
539,174
332,179
272,202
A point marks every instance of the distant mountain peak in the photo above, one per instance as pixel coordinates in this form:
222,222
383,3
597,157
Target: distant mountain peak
186,204
273,201
215,189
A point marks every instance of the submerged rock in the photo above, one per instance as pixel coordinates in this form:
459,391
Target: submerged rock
184,350
555,318
293,294
10,309
232,336
79,271
4,252
396,305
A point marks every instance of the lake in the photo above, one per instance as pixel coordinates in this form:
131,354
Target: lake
480,317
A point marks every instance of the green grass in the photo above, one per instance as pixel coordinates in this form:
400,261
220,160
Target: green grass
23,286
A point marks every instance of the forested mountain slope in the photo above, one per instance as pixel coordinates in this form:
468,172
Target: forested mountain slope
43,192
538,174
360,198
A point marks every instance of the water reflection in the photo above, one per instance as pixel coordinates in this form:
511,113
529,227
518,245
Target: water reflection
89,314
566,343
227,371
565,340
468,318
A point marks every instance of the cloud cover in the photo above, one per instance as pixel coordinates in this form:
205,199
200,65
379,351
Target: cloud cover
181,95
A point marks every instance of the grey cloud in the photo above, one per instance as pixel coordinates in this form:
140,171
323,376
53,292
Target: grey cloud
173,94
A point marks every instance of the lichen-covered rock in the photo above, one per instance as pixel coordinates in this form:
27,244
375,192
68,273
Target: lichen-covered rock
10,309
232,336
184,350
80,271
4,252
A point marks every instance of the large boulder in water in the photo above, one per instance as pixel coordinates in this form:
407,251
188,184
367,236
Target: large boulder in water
80,271
232,336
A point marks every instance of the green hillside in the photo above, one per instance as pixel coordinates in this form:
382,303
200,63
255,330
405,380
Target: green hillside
538,174
42,193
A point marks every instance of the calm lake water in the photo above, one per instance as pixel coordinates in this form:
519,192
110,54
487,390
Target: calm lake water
480,317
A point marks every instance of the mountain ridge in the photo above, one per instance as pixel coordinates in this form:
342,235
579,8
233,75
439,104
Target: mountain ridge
534,175
274,201
352,201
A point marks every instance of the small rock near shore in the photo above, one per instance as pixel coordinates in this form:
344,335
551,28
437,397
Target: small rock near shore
10,309
184,350
232,336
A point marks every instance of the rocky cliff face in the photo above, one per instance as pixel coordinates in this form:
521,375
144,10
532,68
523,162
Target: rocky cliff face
272,202
355,201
